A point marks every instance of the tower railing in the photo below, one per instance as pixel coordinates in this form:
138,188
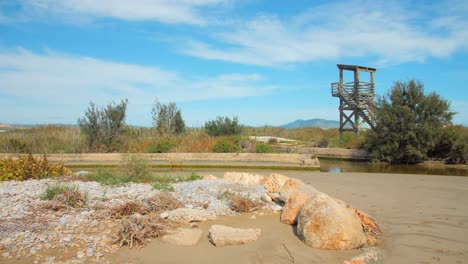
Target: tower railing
362,100
363,88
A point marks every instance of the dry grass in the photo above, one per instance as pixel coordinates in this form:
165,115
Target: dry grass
137,229
43,139
244,205
163,201
130,208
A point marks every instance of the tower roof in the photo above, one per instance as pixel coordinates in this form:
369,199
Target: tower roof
355,67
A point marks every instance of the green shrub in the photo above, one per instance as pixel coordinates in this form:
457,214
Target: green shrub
103,126
164,182
161,147
225,146
264,148
136,169
167,119
106,176
171,179
223,126
412,127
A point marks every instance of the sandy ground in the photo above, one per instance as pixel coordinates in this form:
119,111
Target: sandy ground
424,219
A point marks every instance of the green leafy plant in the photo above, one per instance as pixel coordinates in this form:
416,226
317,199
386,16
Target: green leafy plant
225,146
136,168
264,148
161,147
106,176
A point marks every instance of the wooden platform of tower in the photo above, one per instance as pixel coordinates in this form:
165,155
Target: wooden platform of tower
356,99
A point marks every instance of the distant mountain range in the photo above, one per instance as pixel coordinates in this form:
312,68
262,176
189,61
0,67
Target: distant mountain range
315,122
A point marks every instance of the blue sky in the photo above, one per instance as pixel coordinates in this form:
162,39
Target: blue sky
267,62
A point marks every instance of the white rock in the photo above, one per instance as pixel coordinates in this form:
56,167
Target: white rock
266,198
276,207
224,235
82,173
90,251
184,237
164,215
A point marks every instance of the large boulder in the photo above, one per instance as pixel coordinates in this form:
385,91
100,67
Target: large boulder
328,223
187,215
292,207
292,186
245,178
274,182
184,237
370,228
224,235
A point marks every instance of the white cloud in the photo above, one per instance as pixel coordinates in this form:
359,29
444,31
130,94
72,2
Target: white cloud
391,32
166,11
75,80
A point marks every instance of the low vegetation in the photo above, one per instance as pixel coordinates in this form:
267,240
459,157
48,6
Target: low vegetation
63,196
30,167
136,169
428,134
228,145
264,148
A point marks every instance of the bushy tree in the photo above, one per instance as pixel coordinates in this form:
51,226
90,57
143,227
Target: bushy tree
102,126
223,126
412,127
167,119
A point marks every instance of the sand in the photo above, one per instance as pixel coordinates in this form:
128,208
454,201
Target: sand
424,219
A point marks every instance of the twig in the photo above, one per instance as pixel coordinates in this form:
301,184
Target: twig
290,255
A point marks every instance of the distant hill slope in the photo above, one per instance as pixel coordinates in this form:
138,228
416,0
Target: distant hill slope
315,122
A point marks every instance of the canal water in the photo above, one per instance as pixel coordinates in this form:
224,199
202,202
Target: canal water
356,166
334,166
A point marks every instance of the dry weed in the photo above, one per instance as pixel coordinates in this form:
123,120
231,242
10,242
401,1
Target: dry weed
244,205
137,229
130,208
163,201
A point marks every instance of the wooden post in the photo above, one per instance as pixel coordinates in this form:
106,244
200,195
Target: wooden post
341,120
341,76
356,81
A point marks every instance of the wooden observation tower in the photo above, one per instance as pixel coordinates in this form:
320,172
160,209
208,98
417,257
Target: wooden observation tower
356,99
